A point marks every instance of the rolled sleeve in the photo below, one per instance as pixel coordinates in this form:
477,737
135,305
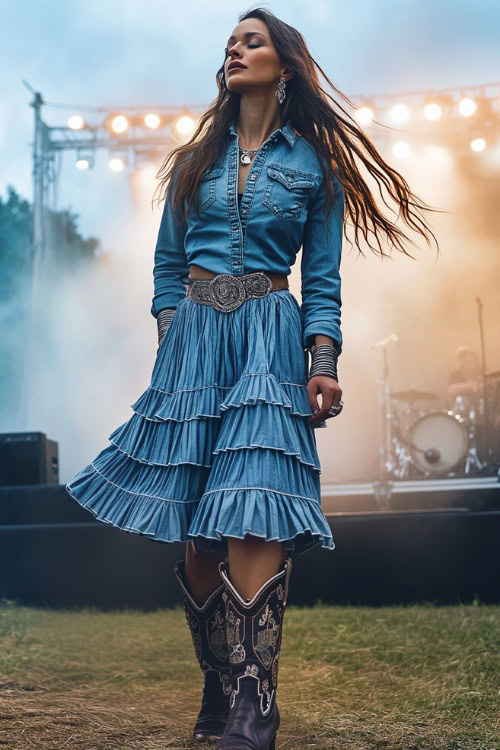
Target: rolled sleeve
171,270
320,268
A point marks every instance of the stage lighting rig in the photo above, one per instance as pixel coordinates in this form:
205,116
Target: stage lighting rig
399,114
185,124
152,120
118,124
117,162
478,144
365,114
84,159
76,122
436,107
463,119
467,106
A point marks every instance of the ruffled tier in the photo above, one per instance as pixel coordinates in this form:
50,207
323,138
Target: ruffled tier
163,437
167,443
263,468
265,513
254,387
281,502
265,426
182,405
155,501
209,400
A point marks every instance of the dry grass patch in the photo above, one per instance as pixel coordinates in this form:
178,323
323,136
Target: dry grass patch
398,678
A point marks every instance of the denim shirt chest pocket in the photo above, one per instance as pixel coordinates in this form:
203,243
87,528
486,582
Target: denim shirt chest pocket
287,191
210,185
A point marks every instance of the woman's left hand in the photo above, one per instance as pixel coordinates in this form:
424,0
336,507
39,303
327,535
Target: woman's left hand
331,393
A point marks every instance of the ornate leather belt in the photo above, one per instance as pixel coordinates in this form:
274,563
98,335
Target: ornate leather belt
226,292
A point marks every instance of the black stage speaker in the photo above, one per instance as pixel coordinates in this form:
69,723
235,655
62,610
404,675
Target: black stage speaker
28,458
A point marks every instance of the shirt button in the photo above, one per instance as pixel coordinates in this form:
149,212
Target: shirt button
244,211
253,176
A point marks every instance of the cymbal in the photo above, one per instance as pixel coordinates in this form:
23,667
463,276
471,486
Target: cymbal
413,394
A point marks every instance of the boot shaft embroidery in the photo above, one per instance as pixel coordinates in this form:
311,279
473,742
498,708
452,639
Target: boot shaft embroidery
267,625
207,625
266,638
226,682
237,651
265,696
217,635
253,634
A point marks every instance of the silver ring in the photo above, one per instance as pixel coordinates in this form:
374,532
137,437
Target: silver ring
334,410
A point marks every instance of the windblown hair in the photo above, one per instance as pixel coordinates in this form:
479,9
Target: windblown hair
332,132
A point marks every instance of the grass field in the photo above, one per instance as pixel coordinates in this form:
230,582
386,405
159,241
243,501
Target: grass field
398,678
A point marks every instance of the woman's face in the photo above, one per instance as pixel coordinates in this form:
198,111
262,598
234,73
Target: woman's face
251,45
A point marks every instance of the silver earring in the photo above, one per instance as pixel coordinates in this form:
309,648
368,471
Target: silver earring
280,91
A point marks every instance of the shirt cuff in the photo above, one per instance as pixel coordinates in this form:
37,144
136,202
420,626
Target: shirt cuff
326,328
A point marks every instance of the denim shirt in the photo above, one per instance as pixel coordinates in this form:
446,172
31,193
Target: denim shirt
282,210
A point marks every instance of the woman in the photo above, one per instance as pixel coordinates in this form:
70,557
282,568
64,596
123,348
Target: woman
220,451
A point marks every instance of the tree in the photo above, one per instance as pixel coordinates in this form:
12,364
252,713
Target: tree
65,251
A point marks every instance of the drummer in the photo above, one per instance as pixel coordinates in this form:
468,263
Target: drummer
465,379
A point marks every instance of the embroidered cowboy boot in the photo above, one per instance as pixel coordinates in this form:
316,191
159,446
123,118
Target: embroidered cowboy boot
208,631
254,629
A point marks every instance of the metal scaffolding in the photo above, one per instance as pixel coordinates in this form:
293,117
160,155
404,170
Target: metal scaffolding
138,140
49,144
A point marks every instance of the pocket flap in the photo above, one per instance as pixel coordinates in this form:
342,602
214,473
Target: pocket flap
290,178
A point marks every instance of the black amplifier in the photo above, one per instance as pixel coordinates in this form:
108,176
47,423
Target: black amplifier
28,458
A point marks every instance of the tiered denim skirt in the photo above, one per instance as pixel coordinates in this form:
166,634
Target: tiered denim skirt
220,444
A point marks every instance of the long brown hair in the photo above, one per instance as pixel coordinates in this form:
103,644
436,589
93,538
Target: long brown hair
337,140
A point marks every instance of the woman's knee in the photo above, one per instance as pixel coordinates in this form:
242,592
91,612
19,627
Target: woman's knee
255,545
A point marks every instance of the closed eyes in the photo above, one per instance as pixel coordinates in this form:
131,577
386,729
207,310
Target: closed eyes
251,46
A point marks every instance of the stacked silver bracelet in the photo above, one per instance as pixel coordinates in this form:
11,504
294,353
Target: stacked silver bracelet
163,320
324,362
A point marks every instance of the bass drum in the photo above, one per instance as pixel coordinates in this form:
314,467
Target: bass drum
438,442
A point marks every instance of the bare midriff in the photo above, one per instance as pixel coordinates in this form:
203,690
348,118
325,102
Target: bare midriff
198,272
280,280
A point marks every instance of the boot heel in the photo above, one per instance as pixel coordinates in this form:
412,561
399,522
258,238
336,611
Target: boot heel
272,746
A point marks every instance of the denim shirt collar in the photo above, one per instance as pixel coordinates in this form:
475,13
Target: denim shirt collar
287,131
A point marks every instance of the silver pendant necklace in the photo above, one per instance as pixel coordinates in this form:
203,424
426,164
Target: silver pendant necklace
245,154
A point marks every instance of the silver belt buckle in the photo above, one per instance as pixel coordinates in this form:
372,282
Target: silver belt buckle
226,292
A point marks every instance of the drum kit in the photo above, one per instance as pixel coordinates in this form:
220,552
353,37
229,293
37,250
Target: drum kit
436,442
418,441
